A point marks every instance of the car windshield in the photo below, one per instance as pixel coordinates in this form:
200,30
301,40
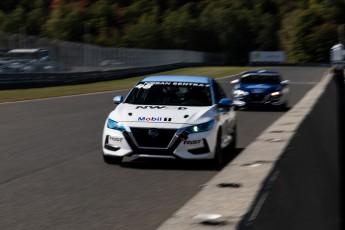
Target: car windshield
170,93
260,79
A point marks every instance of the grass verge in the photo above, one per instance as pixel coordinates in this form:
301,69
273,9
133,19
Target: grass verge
56,91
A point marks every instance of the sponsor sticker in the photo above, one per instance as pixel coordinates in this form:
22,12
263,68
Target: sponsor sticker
193,144
155,119
143,86
159,107
147,85
258,86
258,91
115,141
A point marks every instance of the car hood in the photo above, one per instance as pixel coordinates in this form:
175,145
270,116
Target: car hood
260,88
146,115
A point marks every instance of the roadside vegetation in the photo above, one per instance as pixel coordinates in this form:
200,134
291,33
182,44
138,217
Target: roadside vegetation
304,29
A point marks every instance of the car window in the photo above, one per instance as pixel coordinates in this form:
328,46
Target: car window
166,93
260,79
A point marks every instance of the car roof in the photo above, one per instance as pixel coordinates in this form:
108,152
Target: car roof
178,78
260,72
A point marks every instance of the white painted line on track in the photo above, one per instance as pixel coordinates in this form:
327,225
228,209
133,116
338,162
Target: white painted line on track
79,95
58,97
109,91
302,83
220,78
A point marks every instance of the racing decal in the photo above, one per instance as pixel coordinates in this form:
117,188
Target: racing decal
143,86
150,107
190,84
257,91
262,86
192,142
154,119
147,85
159,107
115,139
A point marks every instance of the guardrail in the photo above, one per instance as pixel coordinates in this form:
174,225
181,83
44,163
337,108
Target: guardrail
33,80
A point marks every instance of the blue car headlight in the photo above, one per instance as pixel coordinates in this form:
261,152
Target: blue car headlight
240,93
203,127
276,94
111,124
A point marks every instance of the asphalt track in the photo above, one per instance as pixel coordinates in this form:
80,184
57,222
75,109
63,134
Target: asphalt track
53,175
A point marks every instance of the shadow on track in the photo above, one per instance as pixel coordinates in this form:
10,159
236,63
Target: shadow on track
171,164
265,109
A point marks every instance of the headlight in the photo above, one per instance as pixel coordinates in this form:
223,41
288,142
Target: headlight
238,93
200,127
111,124
274,94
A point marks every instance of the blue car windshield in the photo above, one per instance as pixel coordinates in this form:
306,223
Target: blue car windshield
260,79
167,93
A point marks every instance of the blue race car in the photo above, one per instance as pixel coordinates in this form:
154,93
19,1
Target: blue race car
260,88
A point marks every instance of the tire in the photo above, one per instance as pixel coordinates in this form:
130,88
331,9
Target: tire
285,107
232,146
218,160
230,150
112,160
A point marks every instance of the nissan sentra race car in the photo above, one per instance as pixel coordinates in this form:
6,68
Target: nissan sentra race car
178,117
260,88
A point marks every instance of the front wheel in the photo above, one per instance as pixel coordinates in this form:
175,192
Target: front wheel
218,159
232,146
285,106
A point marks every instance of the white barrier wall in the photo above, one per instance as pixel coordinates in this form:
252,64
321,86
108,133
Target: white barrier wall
267,56
337,54
84,56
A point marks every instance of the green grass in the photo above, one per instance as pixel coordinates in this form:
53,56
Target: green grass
46,92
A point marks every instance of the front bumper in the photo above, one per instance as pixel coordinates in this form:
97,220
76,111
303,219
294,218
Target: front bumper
258,100
170,143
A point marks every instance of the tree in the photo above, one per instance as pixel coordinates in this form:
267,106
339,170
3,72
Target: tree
14,22
8,6
180,29
144,34
102,23
234,27
314,36
65,24
37,17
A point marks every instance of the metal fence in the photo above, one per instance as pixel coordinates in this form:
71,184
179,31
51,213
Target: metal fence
80,57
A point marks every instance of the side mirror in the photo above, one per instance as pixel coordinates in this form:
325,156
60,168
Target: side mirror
225,103
235,81
118,99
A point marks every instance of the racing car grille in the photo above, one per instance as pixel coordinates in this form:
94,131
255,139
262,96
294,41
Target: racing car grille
160,139
256,97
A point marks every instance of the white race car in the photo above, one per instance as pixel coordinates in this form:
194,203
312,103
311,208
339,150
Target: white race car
180,117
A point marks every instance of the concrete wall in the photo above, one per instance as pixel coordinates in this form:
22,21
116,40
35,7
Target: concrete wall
287,179
306,193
